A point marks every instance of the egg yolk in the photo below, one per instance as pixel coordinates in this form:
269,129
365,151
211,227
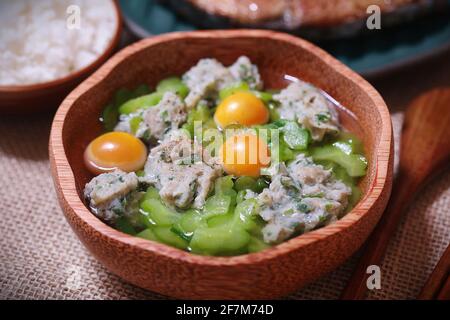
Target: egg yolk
241,108
244,155
115,150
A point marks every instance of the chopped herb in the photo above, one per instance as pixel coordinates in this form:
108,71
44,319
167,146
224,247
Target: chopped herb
244,68
294,225
140,173
323,218
315,195
249,79
303,207
183,235
286,181
323,117
193,186
119,211
124,202
146,135
168,128
246,74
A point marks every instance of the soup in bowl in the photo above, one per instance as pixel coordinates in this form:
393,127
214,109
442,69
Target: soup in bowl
227,164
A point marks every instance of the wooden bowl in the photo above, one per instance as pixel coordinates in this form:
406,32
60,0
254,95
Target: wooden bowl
45,96
271,273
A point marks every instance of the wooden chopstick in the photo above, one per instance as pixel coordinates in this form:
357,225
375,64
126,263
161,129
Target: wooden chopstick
438,284
444,294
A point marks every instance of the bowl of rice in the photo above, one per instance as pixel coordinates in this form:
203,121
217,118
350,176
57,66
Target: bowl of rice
48,47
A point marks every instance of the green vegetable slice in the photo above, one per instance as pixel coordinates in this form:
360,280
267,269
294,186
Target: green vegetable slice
166,235
134,123
285,152
352,140
250,183
223,184
122,224
273,112
256,245
147,234
142,102
241,196
220,220
295,137
224,240
354,197
140,173
145,219
279,123
110,114
234,88
261,184
201,113
355,164
245,213
160,214
173,84
191,220
151,193
217,205
123,95
109,117
182,234
341,174
143,89
266,97
245,183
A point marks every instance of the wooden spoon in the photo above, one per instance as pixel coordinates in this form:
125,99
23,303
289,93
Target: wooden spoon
425,149
439,281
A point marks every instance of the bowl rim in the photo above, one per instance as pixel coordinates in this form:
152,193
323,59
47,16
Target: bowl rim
65,181
76,73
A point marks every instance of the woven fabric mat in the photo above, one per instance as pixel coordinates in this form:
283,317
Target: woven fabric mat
41,258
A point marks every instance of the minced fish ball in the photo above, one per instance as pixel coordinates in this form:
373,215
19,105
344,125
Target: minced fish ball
36,44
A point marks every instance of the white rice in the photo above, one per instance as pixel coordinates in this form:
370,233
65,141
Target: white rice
37,46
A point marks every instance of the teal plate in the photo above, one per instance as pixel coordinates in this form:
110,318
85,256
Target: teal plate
375,53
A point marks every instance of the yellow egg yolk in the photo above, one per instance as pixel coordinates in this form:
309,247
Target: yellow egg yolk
241,108
244,155
115,150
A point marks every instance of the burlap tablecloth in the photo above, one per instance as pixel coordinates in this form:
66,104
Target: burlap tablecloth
41,258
